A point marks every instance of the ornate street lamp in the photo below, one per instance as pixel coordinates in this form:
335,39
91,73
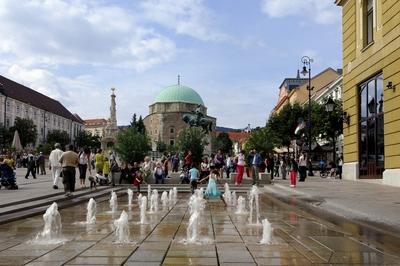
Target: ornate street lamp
329,107
307,64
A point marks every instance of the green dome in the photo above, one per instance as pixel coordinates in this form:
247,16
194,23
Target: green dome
179,93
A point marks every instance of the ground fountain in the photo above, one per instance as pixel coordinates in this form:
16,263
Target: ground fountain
196,207
51,233
254,215
130,196
227,194
171,198
148,193
241,206
233,198
143,207
113,202
154,201
139,198
267,232
91,212
175,197
164,199
122,229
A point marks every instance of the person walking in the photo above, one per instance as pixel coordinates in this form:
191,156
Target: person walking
54,164
302,167
194,177
340,166
239,168
293,172
219,159
40,164
31,166
69,161
84,157
283,164
255,162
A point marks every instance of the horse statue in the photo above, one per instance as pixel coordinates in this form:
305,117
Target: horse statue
197,119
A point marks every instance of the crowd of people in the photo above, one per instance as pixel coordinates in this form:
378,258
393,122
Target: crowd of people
103,169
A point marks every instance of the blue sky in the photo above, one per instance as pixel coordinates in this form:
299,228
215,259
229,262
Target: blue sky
234,53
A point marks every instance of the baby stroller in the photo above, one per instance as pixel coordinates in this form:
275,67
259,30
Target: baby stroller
7,177
184,175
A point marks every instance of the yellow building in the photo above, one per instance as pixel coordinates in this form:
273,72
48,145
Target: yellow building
371,72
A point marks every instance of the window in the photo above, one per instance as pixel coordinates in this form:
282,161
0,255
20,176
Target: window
172,142
172,130
371,128
8,106
368,20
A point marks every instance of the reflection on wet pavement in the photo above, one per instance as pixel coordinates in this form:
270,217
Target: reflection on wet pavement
298,239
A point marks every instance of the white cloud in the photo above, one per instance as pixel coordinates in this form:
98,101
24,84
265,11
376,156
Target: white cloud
320,11
61,32
186,17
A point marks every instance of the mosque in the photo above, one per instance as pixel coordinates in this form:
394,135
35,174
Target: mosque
164,122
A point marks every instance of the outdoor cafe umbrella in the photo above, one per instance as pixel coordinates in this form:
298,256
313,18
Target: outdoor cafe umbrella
16,143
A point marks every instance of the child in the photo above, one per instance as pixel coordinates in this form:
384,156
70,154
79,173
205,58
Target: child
92,182
212,190
102,180
137,180
194,176
159,173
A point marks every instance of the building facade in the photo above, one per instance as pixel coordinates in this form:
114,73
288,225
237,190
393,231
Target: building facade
164,122
371,64
17,100
96,126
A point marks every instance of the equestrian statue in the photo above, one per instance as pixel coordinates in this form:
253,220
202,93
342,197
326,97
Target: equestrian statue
198,119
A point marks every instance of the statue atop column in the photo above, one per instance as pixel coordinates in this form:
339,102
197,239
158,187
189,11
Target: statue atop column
110,132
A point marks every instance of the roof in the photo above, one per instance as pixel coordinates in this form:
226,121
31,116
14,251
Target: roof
237,136
29,96
95,122
179,93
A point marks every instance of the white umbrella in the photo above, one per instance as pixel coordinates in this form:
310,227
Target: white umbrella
16,143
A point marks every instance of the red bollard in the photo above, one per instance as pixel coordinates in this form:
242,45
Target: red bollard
293,177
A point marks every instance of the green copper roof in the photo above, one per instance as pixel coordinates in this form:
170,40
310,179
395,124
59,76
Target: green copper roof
179,93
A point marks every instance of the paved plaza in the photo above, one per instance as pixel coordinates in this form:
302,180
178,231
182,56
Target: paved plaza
298,239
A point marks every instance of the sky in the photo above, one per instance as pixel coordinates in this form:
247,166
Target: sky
234,53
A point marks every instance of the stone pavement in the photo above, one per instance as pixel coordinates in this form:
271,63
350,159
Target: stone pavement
298,239
363,201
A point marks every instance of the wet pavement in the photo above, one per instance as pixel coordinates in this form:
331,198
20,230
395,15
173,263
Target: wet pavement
298,239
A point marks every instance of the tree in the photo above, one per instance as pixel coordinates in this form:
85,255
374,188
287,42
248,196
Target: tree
161,146
58,136
222,142
261,139
138,124
6,137
86,139
283,124
132,146
26,129
192,139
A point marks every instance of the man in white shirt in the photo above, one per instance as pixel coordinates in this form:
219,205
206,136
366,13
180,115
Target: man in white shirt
55,165
303,167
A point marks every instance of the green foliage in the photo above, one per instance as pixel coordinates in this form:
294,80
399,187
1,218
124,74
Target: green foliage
132,145
6,137
46,148
261,139
222,142
26,129
193,139
58,136
138,124
86,139
172,149
283,124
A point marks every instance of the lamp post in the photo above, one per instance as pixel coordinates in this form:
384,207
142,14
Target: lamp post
307,64
329,107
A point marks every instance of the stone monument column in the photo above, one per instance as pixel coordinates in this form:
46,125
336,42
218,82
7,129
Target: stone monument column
110,133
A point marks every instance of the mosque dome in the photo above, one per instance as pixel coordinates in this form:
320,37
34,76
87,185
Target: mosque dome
179,93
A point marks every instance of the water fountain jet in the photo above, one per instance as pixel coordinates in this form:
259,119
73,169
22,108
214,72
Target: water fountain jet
254,218
164,199
130,196
267,232
143,207
113,202
122,229
91,212
51,233
241,206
